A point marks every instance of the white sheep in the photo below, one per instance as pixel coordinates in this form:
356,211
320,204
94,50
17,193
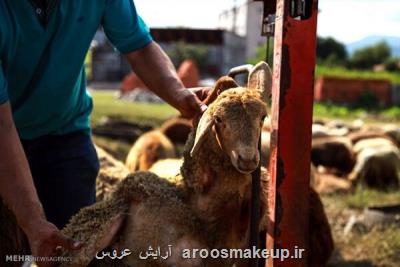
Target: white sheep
378,163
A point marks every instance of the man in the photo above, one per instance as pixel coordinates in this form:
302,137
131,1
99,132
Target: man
44,106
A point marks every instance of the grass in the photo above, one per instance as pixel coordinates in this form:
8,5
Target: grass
324,110
337,111
105,104
364,74
362,198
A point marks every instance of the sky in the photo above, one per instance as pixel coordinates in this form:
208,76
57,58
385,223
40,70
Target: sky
346,20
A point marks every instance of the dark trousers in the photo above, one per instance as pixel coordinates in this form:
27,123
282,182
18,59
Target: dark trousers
64,170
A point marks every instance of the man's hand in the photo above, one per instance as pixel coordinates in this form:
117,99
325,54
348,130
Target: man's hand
19,194
44,239
189,101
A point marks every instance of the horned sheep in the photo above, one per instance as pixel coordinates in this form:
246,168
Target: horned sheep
209,209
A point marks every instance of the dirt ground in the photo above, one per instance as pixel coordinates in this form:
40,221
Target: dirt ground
378,246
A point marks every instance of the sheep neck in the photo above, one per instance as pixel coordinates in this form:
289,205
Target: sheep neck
218,193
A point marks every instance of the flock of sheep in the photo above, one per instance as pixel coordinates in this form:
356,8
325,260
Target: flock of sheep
350,155
190,188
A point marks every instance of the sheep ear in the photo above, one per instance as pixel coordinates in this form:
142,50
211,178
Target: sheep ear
260,79
222,84
204,126
94,240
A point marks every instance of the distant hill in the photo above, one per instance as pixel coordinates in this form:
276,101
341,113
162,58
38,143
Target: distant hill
393,42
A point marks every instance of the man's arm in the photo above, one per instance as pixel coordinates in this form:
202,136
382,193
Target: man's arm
19,194
156,70
130,35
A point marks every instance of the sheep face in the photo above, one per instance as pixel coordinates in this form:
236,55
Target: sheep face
238,118
235,118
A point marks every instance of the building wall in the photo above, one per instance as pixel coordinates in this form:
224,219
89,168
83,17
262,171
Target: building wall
215,57
253,28
228,22
346,91
107,64
222,57
248,18
228,52
396,95
233,51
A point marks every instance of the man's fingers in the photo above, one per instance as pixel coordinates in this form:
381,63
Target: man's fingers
201,92
198,105
66,242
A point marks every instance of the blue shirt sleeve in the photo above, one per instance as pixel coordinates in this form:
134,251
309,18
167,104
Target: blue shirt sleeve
124,27
3,87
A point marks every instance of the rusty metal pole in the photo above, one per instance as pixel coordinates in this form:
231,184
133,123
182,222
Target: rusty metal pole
292,101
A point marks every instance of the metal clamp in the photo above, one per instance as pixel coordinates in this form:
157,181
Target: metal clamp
242,69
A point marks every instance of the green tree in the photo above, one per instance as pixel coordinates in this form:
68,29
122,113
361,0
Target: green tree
330,52
367,57
392,64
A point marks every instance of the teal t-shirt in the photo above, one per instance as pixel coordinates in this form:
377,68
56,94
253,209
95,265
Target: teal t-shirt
42,73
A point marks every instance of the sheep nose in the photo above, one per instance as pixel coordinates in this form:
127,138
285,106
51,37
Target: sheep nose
247,163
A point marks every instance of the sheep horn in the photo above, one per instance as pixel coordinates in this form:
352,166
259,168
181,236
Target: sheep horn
260,79
222,84
205,124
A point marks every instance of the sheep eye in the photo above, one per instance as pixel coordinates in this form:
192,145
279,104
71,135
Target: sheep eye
218,120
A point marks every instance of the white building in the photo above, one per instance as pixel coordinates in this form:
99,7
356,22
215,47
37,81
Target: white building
245,20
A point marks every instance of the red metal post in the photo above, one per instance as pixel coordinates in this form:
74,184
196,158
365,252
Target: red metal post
292,101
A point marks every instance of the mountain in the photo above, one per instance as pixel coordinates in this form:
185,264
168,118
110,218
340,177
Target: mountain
392,41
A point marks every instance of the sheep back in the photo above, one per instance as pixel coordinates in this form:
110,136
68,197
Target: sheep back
149,148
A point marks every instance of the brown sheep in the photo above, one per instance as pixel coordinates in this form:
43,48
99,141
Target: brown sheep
210,209
12,239
325,183
321,243
333,152
177,129
147,149
361,135
394,132
110,174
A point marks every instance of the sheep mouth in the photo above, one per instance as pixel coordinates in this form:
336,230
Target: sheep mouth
242,169
246,171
